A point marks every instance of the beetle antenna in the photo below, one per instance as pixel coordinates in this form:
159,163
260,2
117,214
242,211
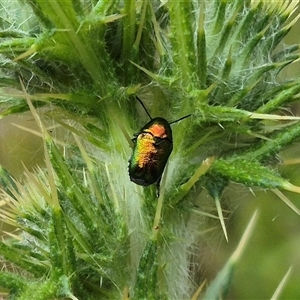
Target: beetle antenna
138,99
179,119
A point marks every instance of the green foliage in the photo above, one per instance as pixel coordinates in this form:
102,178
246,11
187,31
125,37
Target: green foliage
86,231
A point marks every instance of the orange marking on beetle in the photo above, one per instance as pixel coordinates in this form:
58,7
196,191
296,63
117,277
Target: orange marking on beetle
157,130
146,149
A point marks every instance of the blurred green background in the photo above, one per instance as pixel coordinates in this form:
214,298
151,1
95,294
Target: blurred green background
275,244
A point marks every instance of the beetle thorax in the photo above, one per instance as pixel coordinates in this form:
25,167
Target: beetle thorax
157,130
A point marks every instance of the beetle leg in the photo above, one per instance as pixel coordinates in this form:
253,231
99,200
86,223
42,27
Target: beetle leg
134,137
158,187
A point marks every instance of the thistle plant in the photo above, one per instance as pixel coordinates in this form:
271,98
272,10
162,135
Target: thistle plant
84,231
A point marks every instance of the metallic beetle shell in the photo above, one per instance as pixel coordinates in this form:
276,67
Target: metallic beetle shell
152,148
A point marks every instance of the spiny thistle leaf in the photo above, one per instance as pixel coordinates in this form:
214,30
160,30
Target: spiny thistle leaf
220,285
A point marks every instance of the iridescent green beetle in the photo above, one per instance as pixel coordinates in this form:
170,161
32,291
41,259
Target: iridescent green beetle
152,148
